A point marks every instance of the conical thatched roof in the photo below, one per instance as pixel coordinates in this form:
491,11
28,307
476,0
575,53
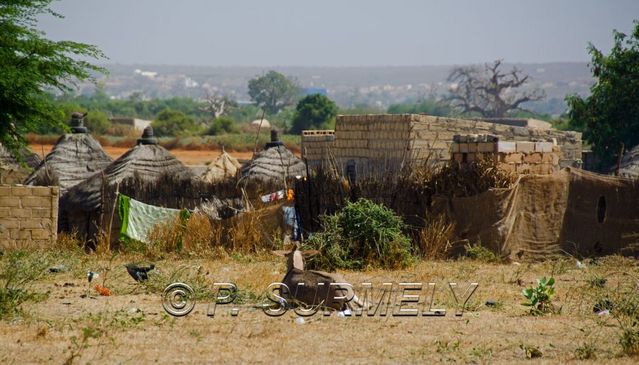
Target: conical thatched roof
225,166
629,166
146,160
7,159
275,162
74,158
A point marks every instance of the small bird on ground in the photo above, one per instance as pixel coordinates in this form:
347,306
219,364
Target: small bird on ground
139,273
91,275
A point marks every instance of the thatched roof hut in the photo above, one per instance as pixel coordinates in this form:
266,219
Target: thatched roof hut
629,166
82,207
274,163
29,158
74,158
224,167
147,160
12,170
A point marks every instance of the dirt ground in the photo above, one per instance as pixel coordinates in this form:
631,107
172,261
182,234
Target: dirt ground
131,326
188,157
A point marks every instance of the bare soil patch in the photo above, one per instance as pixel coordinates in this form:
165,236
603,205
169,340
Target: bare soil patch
131,326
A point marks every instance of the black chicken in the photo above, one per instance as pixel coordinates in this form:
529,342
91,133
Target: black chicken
139,273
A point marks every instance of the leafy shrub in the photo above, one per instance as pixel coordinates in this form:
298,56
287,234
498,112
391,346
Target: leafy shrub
481,253
361,234
174,123
539,298
222,125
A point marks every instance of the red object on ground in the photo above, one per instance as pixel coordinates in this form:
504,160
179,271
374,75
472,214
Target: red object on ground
103,290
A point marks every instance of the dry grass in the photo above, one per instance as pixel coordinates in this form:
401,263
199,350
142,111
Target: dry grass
253,231
130,325
68,241
103,245
435,238
202,238
123,130
164,238
460,180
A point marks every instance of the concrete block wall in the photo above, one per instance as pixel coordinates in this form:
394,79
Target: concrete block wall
436,133
375,145
28,215
317,146
519,157
383,142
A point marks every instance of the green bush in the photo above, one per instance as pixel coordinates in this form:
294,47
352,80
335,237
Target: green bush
481,253
223,125
362,234
174,123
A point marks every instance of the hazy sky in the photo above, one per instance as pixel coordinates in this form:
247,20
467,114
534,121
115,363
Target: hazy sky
341,32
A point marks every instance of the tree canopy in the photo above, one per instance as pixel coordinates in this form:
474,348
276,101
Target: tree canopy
31,66
490,93
313,111
273,91
609,117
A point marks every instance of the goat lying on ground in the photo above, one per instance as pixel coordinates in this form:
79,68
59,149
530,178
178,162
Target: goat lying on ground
316,288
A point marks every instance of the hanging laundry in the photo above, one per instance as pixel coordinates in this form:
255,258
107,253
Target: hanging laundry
139,218
273,197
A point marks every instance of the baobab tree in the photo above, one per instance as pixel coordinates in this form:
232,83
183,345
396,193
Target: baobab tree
217,105
490,93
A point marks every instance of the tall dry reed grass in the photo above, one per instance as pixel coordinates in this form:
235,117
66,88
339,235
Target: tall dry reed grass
251,232
435,238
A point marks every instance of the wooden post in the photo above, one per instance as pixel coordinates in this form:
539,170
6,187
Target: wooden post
257,136
115,201
621,149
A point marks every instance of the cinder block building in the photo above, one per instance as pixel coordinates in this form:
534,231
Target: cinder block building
521,157
367,145
28,215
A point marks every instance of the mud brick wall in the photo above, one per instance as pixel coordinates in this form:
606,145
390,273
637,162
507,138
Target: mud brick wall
383,143
28,215
519,157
